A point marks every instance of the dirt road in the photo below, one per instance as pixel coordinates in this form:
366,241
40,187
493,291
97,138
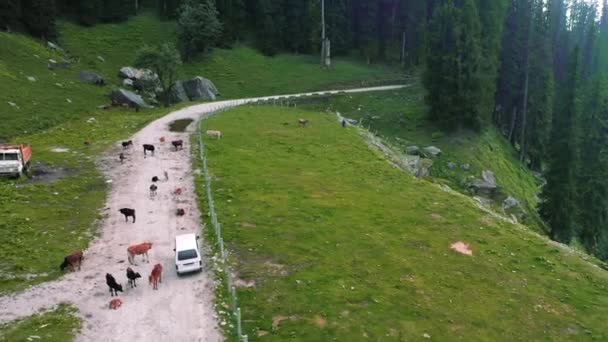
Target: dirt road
182,308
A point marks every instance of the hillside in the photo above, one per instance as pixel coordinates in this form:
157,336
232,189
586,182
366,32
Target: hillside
330,241
58,96
399,117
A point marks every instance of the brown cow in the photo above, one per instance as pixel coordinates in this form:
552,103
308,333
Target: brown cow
73,260
156,276
141,249
115,304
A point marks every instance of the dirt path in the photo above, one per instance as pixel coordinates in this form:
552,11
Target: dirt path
182,309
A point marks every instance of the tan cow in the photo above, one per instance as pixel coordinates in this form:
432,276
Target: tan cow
141,249
214,134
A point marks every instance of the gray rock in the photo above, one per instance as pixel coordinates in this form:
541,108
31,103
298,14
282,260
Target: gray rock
54,65
412,150
54,47
432,151
127,82
485,185
91,77
101,59
424,168
466,167
451,166
146,80
31,78
178,93
200,88
121,97
127,72
509,203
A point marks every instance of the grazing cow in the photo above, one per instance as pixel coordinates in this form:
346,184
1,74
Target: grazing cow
178,144
214,134
128,213
115,304
156,276
122,157
154,179
180,212
126,144
113,285
132,276
148,147
153,189
141,249
303,122
73,260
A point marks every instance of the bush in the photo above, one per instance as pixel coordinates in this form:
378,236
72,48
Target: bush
198,27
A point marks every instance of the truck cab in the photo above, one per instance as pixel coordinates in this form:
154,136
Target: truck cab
187,254
14,159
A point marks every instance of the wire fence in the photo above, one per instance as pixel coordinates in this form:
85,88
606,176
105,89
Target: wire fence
222,253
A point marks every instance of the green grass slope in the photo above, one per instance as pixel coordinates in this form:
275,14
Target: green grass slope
400,118
59,325
239,72
342,245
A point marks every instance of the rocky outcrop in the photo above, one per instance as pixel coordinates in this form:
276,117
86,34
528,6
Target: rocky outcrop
127,72
91,77
200,88
121,97
412,150
431,151
486,185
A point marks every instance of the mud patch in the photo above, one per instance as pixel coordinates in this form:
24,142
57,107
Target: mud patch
42,173
180,125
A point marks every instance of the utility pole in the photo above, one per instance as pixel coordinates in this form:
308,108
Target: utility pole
325,44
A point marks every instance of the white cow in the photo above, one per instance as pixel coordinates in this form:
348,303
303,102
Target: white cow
214,134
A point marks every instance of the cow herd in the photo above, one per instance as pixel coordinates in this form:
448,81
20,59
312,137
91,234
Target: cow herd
74,260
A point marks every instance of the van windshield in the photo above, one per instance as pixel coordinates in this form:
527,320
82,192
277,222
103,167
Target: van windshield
9,156
187,254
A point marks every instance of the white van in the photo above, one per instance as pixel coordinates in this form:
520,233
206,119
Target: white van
187,254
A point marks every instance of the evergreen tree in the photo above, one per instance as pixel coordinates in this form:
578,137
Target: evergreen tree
232,14
117,10
39,18
592,185
169,9
198,27
10,12
540,101
452,76
267,33
295,30
558,206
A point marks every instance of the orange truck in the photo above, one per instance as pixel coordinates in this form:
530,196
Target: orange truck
14,159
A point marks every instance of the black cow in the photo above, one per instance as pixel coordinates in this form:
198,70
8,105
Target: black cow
126,144
153,189
178,144
155,179
132,275
113,285
148,147
128,213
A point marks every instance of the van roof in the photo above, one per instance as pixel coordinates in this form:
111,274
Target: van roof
185,241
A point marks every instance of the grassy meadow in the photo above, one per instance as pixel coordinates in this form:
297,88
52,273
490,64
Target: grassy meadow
400,118
333,242
59,325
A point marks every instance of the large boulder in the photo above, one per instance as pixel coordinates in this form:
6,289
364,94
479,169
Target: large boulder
178,93
146,80
122,97
200,88
91,77
486,184
431,151
127,72
412,150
